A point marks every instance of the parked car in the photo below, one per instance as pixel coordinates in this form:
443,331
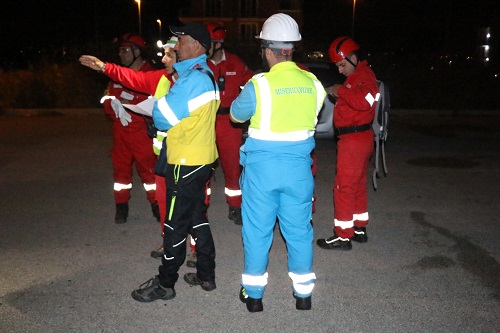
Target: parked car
329,75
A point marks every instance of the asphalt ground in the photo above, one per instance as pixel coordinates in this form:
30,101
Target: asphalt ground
431,263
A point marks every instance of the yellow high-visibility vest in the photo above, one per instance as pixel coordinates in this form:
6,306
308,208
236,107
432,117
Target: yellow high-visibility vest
288,102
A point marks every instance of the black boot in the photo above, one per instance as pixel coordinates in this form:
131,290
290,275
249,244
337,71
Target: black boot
121,213
235,215
360,235
157,253
253,304
302,303
335,243
156,211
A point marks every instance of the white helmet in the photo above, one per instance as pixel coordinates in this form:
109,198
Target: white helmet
281,28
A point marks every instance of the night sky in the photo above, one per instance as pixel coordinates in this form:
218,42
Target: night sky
417,25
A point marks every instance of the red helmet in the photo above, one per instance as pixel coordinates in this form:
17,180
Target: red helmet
217,32
341,48
132,40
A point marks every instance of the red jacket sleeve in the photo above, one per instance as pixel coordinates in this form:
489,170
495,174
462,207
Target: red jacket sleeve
141,81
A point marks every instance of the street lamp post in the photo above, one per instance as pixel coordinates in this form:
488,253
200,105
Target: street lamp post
139,8
159,26
353,12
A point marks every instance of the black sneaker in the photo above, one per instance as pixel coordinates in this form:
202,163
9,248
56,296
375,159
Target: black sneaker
302,303
335,243
191,260
235,215
253,304
151,290
193,280
121,213
157,253
360,235
156,211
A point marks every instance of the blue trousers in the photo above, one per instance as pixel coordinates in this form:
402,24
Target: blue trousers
277,188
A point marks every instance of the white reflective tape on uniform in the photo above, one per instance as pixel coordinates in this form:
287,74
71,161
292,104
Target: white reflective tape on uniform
181,242
126,95
303,283
301,278
195,170
369,98
201,225
344,224
232,193
265,104
167,112
360,217
304,289
253,280
201,100
106,97
150,187
157,143
319,96
119,187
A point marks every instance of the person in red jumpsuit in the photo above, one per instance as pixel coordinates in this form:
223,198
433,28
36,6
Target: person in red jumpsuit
131,143
156,83
353,115
231,73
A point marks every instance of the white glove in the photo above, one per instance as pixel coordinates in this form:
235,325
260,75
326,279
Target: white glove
120,112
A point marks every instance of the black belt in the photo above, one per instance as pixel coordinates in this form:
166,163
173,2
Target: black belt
352,129
223,111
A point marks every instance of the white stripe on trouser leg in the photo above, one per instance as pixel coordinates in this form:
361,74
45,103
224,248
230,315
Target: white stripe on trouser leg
119,187
232,193
360,217
344,224
150,187
303,283
254,280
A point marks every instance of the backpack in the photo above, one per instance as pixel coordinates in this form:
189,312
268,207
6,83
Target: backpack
379,125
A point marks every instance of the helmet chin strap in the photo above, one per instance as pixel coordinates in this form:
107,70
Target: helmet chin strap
134,58
215,50
349,61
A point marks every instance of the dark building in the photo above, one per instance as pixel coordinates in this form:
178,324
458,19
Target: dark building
243,19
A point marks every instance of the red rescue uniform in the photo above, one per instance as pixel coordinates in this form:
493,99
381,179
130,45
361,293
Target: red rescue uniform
150,83
131,143
355,106
235,74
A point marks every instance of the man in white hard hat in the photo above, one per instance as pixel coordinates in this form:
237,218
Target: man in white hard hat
282,106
